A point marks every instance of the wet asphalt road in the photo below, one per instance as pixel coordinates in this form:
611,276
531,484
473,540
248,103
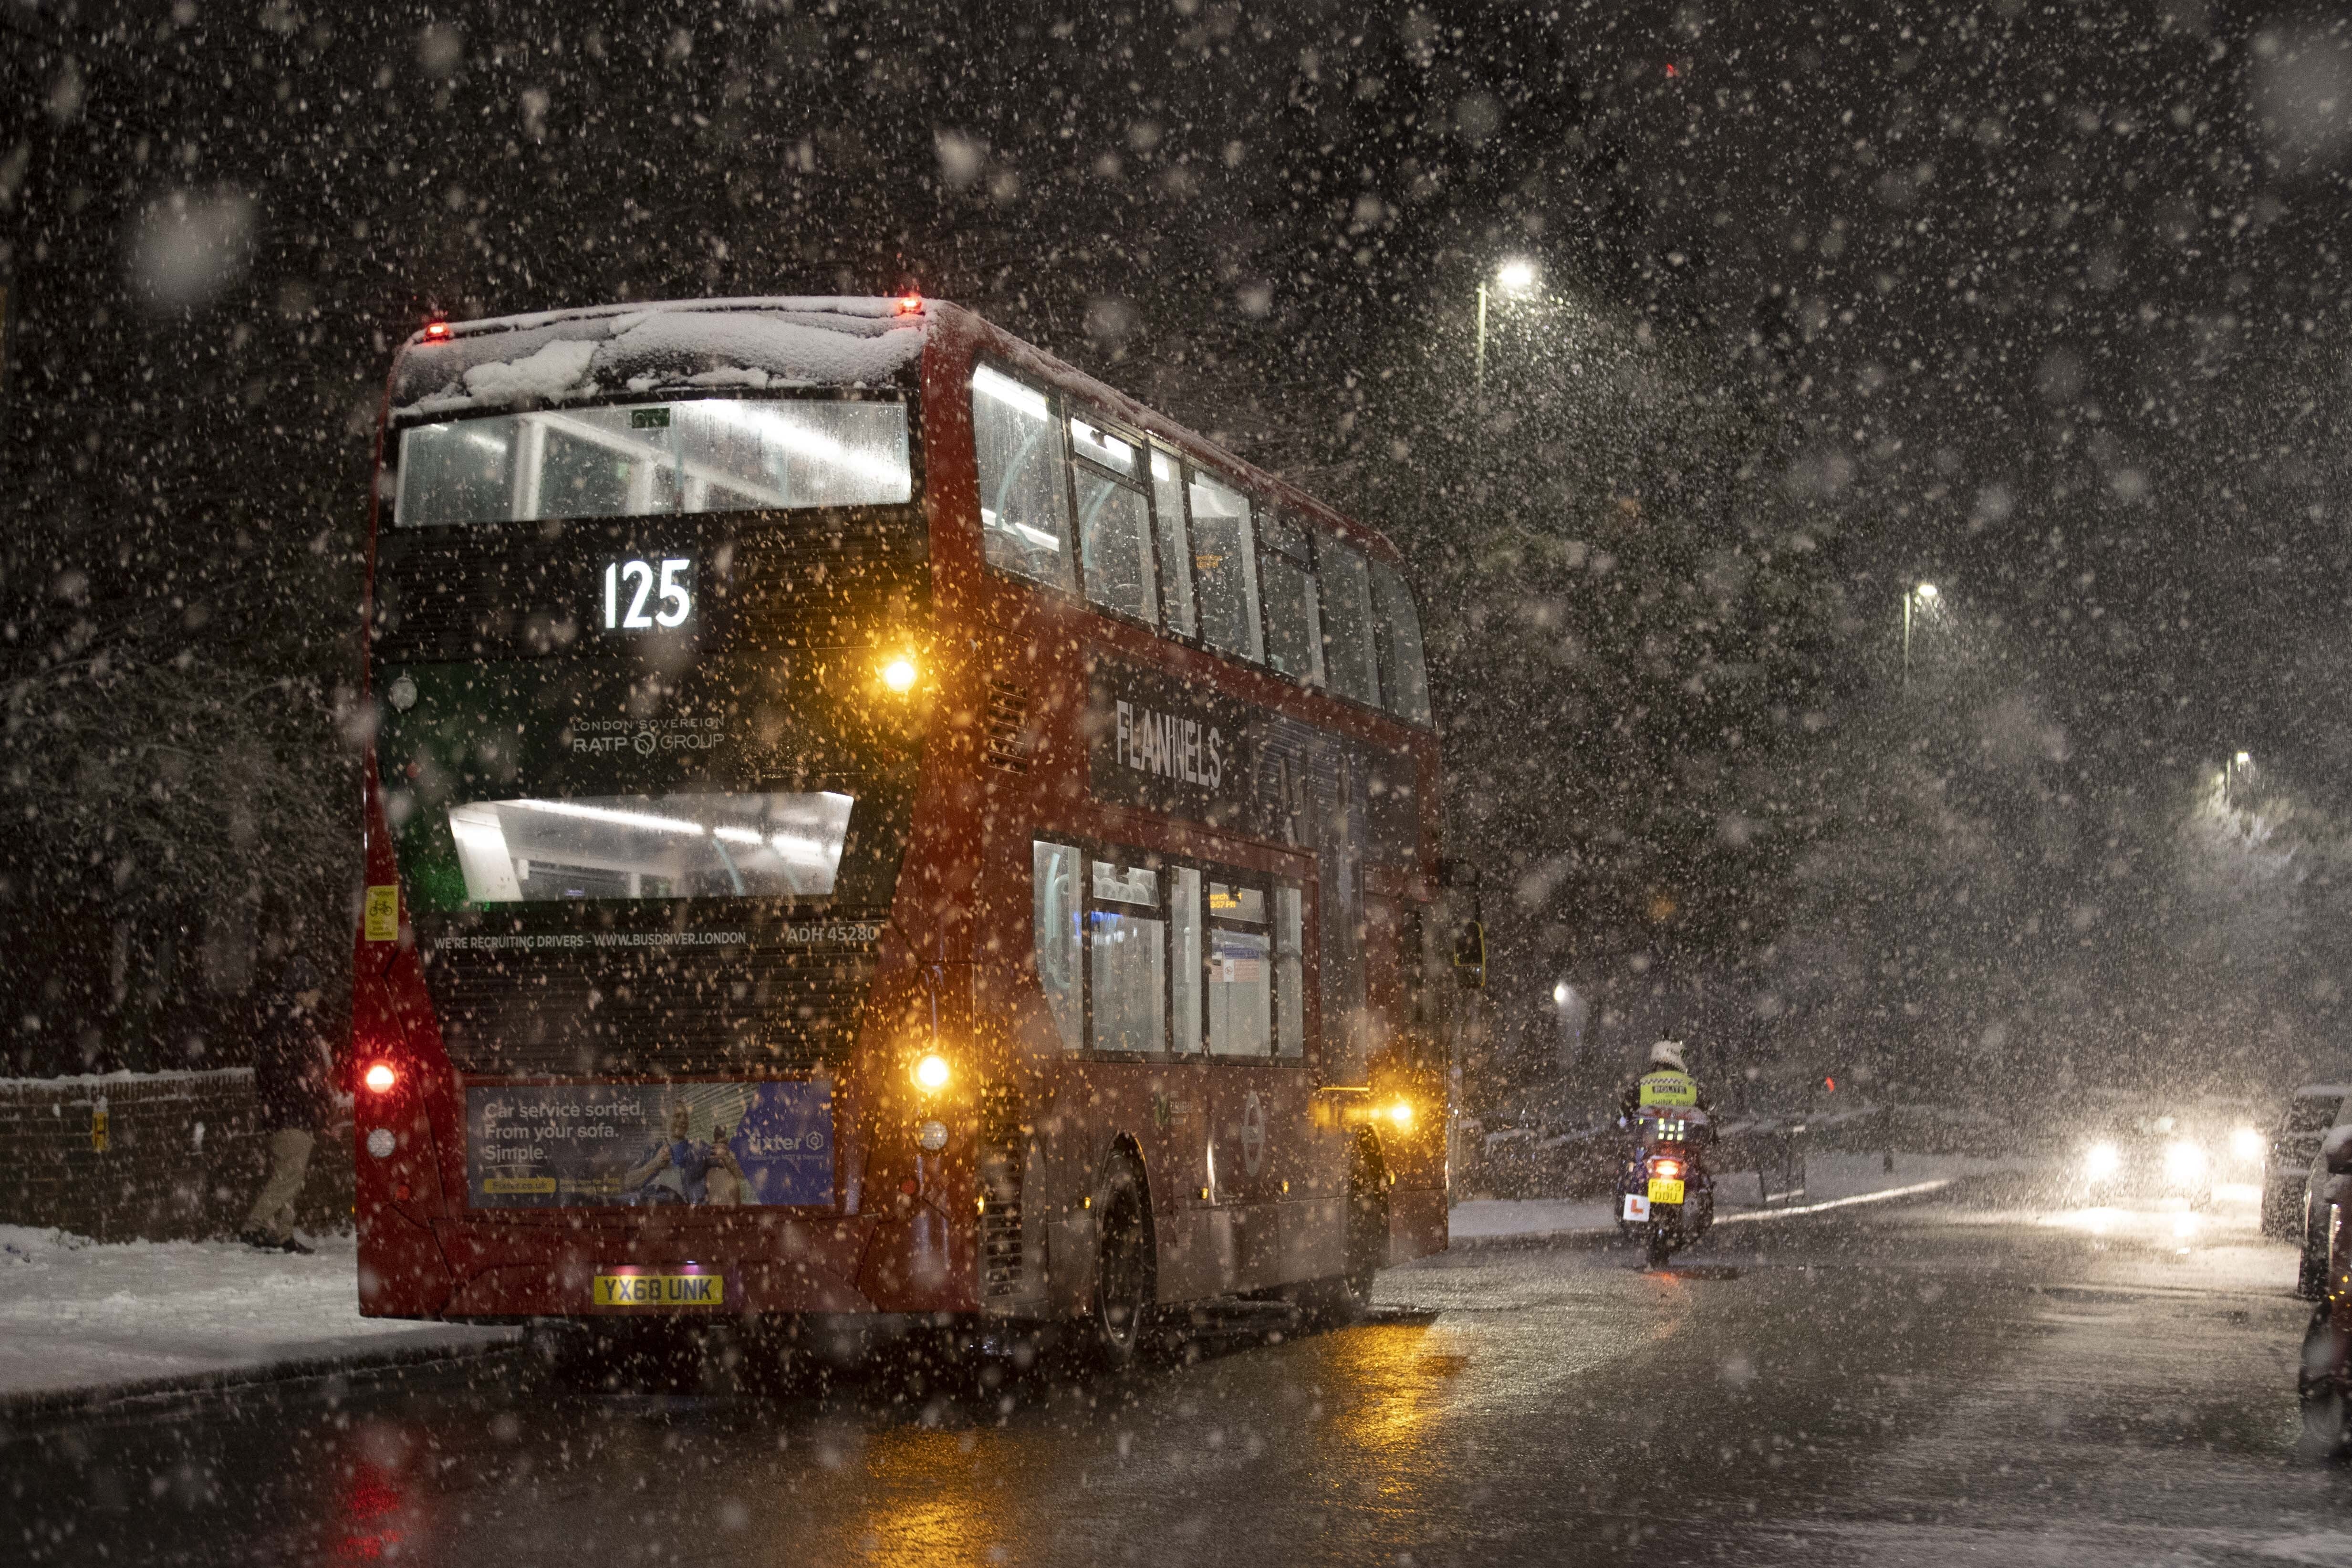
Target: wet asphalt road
1967,1380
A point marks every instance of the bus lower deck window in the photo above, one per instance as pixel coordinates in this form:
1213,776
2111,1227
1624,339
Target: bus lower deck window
1056,912
1127,964
1185,960
1289,972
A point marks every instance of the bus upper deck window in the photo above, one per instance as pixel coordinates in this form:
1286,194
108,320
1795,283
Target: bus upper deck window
1175,546
1348,654
1225,563
1404,684
1286,584
1024,510
1114,522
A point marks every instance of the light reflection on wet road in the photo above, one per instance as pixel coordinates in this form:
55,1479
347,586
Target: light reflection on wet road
1966,1380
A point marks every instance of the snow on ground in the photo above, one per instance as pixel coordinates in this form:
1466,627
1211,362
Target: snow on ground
77,1314
1829,1178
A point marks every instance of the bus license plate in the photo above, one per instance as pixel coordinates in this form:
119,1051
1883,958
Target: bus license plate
1665,1189
634,1290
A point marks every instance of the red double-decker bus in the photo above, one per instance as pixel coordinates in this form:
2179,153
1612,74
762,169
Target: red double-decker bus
865,819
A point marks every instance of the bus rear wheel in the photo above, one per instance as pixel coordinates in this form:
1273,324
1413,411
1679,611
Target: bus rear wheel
1126,1278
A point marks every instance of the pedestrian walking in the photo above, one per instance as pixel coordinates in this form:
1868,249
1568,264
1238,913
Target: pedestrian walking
293,1081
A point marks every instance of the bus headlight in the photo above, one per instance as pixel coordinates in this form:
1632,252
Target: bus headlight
2101,1161
933,1072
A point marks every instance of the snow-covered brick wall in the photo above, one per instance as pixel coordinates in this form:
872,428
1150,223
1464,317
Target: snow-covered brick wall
571,355
182,1159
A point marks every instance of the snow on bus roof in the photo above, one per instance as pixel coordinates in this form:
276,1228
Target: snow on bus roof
565,356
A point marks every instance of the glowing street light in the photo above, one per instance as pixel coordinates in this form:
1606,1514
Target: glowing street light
1515,276
1919,596
2238,766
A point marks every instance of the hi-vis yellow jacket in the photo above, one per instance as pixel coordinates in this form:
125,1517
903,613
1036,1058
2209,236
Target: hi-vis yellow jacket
1663,1086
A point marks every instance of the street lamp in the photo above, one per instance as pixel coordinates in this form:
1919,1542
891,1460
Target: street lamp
1919,596
1515,276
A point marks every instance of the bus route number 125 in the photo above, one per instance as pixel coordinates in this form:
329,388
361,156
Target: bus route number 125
632,588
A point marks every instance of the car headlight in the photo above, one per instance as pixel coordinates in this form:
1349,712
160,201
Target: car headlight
2247,1145
2184,1162
2101,1161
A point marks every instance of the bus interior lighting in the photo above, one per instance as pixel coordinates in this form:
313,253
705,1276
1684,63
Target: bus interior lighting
619,819
931,1072
380,1077
1005,390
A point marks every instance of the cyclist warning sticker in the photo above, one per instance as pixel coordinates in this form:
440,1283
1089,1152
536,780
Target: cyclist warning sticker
382,916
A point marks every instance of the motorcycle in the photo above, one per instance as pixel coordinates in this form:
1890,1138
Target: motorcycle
1665,1195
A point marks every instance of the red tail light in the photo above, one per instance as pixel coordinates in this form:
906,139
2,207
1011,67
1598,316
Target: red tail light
437,331
380,1077
1667,1167
910,303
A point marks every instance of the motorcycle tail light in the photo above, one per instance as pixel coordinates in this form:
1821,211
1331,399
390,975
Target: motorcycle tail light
1669,1167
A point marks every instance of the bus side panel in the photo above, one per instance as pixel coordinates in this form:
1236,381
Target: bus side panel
402,1271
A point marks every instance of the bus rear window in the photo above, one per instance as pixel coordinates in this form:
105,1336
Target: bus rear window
651,846
708,455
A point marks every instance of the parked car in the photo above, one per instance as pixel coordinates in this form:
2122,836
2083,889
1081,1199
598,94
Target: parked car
2311,1275
2295,1137
2324,1381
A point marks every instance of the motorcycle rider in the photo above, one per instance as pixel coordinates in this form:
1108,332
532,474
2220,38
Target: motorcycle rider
1667,1084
